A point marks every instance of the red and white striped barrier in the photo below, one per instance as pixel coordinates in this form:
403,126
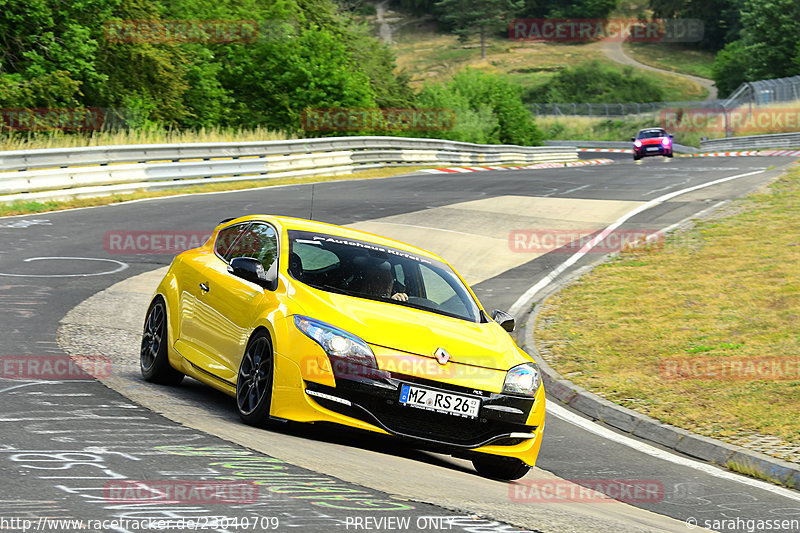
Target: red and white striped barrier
589,162
460,170
727,154
610,150
790,153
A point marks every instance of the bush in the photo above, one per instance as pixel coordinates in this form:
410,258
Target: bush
488,109
595,82
729,67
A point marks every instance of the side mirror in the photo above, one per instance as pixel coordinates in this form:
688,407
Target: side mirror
670,136
251,269
633,139
505,320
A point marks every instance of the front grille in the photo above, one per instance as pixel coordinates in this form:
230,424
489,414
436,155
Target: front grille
382,410
436,426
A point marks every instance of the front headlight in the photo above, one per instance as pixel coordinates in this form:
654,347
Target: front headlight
523,379
336,342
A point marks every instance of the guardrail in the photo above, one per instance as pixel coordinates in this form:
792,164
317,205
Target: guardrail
60,173
752,142
679,148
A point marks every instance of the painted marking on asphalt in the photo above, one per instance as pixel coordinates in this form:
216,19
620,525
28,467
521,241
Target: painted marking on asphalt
648,193
26,223
26,384
121,266
575,189
574,258
563,413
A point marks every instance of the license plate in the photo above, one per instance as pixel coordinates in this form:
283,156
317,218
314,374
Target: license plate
440,401
652,148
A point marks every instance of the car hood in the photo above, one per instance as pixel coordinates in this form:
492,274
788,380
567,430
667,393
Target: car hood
411,330
655,140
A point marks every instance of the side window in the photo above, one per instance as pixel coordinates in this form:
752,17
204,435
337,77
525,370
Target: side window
227,237
259,241
399,274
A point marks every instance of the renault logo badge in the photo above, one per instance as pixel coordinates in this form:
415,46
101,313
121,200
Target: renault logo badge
442,356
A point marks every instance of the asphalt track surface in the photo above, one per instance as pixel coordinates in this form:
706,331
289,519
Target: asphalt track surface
64,445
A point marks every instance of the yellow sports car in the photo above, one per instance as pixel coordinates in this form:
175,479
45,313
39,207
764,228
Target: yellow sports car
305,321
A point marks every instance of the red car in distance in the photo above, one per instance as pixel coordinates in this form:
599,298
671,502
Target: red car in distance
652,141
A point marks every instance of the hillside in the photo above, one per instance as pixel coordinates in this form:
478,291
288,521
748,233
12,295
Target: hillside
429,55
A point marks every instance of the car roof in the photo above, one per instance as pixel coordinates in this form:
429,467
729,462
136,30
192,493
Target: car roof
302,224
652,129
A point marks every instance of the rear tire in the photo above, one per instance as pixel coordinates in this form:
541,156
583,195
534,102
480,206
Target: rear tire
153,358
254,383
497,467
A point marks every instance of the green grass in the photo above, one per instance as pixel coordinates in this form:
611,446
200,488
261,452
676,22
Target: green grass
727,288
602,129
674,57
749,470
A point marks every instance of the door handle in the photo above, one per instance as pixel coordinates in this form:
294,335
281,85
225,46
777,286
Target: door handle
204,287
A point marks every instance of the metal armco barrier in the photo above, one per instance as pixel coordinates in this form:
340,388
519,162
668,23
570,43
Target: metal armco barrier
679,148
752,142
61,173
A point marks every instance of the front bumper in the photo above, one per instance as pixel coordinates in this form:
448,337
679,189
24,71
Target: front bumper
645,151
503,420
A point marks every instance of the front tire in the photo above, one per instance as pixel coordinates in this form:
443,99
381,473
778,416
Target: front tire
497,467
254,384
153,358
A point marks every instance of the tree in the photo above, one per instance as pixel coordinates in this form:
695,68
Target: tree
769,32
467,16
44,42
721,18
578,8
729,67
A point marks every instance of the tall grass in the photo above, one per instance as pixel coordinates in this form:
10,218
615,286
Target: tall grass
16,140
579,128
725,290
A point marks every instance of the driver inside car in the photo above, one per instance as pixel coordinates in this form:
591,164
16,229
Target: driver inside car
378,281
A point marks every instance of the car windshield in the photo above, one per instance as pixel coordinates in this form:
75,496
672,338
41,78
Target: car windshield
652,134
376,272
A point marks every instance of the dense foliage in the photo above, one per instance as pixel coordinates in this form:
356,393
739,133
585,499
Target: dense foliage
596,82
523,8
306,53
756,39
488,109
